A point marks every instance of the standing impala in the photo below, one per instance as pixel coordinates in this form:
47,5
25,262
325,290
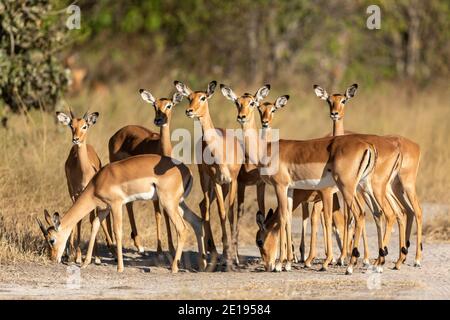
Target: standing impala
404,183
320,165
221,173
142,177
81,165
266,112
133,140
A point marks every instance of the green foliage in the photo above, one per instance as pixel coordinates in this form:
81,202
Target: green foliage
31,75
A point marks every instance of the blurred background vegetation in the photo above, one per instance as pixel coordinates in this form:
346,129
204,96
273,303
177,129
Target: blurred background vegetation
402,69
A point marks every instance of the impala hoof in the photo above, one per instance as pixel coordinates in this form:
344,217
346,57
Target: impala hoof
417,264
324,268
366,263
98,261
349,271
278,267
288,266
379,269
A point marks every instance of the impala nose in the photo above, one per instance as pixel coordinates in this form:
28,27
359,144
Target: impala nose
334,115
259,243
265,124
190,113
242,119
158,121
76,140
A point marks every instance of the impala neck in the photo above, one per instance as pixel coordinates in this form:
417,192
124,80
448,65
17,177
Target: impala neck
338,127
84,204
166,143
250,132
83,158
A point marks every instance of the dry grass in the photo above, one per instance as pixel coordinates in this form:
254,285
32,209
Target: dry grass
34,149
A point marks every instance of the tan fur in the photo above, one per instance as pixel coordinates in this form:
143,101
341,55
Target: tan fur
110,188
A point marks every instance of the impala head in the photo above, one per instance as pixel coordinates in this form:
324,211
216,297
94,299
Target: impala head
267,238
163,106
267,110
198,100
337,101
55,239
78,126
247,103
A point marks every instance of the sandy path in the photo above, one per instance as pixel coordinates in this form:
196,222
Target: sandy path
144,279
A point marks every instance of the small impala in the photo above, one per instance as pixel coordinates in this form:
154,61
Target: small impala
142,177
81,165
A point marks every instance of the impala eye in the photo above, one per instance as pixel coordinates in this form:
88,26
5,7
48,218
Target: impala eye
343,101
84,127
168,106
252,104
203,98
52,241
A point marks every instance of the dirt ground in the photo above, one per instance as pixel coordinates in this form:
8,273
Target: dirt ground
148,277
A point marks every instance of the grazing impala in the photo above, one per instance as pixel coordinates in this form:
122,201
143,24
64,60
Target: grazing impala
403,184
133,140
321,165
81,165
142,177
221,173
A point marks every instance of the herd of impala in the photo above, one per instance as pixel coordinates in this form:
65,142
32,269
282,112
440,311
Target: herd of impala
343,175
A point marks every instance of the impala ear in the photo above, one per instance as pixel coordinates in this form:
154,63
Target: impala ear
182,88
177,98
56,221
350,92
47,217
63,118
147,96
320,92
260,220
211,88
262,92
91,118
269,214
281,101
228,93
41,226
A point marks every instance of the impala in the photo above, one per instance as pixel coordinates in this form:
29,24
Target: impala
142,177
133,140
219,175
81,165
266,112
404,183
311,165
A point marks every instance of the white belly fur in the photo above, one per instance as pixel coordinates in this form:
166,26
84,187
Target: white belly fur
314,184
150,195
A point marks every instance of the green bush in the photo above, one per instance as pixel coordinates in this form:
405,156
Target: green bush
31,36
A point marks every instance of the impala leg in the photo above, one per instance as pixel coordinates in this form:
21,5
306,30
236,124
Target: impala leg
197,225
92,216
106,228
169,234
232,216
305,216
180,227
338,221
411,193
158,216
282,192
78,259
223,220
317,209
116,210
289,251
96,221
400,196
134,232
327,198
359,202
343,256
359,222
240,211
